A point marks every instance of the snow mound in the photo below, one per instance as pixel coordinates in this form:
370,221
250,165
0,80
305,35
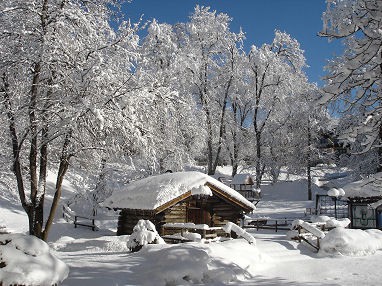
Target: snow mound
330,222
195,263
143,233
27,260
351,242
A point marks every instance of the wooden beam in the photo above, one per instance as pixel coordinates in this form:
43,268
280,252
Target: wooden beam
172,202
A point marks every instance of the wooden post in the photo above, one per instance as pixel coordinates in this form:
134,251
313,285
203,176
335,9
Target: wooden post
276,225
299,233
75,221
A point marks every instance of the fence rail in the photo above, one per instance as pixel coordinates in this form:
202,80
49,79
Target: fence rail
268,223
70,215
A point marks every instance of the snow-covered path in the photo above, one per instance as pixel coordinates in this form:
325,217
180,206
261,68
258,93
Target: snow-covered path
98,259
298,264
106,261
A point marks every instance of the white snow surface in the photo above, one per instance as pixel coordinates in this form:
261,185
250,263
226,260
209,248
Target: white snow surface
29,261
196,263
155,191
330,221
243,178
351,242
334,192
100,258
368,187
201,190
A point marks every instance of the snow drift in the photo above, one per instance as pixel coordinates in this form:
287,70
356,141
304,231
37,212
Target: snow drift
351,242
27,260
195,263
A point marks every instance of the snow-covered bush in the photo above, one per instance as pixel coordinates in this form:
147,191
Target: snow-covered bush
27,260
352,242
143,233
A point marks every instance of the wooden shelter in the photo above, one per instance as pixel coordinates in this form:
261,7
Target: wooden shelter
244,184
173,198
365,202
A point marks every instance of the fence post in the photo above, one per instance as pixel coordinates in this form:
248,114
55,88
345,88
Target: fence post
276,225
75,221
93,225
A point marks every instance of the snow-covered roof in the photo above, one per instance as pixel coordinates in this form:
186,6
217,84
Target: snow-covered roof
242,179
153,192
366,188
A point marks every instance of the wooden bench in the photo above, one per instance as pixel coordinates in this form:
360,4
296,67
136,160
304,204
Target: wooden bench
205,231
173,239
311,233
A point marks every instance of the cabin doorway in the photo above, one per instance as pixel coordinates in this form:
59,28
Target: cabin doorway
198,214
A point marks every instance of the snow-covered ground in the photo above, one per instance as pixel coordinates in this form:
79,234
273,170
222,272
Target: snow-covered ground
101,258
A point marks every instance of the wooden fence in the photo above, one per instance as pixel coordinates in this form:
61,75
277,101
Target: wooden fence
78,220
268,223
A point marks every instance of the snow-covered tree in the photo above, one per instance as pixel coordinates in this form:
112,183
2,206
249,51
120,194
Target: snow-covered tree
171,114
56,91
208,46
306,124
275,69
354,78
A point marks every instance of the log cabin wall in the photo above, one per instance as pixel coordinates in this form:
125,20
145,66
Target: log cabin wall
224,212
174,214
128,218
218,210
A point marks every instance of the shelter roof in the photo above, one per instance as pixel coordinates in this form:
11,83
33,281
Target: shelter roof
369,187
162,191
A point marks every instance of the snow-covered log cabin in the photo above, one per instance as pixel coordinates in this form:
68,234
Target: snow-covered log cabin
365,202
181,197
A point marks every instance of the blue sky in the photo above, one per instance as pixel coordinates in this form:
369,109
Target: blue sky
258,19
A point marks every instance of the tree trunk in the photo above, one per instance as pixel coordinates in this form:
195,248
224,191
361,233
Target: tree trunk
379,167
63,168
16,145
210,168
235,156
259,170
308,161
